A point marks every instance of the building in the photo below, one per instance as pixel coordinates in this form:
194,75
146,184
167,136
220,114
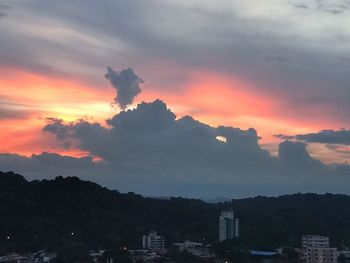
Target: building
14,257
314,241
96,255
194,248
153,242
39,257
316,249
228,225
321,255
345,253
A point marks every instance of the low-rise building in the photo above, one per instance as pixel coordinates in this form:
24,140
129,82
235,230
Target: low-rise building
321,255
153,242
97,254
345,253
37,257
316,249
194,248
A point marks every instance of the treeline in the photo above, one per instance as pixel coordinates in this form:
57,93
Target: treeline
48,214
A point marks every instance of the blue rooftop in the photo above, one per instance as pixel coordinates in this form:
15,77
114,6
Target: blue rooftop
263,253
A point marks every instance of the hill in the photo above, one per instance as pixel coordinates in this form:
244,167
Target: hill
49,213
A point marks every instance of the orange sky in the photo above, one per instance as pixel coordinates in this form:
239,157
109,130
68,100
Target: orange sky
41,97
209,97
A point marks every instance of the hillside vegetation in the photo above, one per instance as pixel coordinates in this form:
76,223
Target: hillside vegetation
49,213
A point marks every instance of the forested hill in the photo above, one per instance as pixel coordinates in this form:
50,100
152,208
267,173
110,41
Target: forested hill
48,213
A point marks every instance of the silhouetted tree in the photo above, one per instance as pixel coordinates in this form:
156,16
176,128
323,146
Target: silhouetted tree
73,253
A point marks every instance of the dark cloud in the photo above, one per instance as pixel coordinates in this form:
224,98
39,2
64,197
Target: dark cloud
334,8
294,151
88,132
300,6
47,165
324,136
3,9
296,154
13,110
54,159
126,83
6,113
149,117
56,126
153,137
284,137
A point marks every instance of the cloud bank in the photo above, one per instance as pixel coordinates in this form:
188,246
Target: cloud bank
149,150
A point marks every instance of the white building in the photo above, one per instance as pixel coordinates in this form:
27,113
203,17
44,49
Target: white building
316,249
321,255
228,225
153,242
194,248
314,241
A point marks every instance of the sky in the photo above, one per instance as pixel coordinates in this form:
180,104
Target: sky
196,98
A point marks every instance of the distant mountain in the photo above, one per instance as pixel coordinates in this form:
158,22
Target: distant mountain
218,200
159,197
49,213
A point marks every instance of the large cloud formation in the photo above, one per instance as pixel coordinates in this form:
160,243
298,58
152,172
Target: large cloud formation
150,151
126,83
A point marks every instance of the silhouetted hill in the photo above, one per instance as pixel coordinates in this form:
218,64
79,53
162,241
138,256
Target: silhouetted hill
10,182
49,213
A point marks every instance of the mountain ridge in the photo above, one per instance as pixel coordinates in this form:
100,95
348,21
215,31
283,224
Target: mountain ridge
49,213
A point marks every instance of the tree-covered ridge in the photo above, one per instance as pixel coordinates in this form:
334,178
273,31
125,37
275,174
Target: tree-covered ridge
49,213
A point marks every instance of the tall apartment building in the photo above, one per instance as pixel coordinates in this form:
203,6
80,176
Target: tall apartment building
314,241
316,249
228,225
153,241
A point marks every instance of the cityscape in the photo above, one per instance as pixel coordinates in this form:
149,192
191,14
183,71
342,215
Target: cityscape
313,249
208,232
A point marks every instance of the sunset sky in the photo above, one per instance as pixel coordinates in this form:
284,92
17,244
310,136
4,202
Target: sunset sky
276,71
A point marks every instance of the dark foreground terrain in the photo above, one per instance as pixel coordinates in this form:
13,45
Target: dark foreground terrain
46,214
